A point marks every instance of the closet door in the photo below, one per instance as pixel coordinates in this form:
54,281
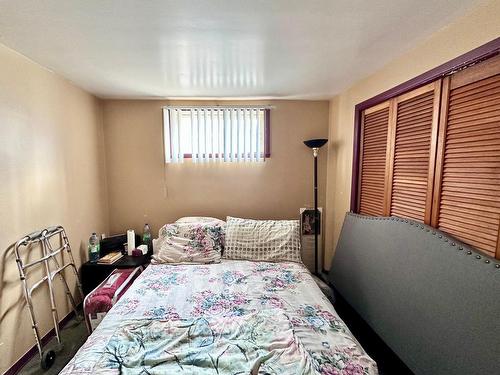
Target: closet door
467,189
374,154
413,152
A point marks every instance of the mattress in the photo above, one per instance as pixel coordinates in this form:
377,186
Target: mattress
235,317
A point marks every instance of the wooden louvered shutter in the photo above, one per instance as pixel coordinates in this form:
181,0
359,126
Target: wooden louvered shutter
467,190
413,149
374,155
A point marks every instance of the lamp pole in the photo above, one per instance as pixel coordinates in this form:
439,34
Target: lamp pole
316,213
315,145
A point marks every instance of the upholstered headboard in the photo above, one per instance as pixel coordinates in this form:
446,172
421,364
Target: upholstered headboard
432,299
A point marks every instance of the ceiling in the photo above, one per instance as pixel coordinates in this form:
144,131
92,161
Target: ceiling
221,48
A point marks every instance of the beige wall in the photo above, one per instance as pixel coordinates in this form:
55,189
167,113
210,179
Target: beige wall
142,188
476,28
51,172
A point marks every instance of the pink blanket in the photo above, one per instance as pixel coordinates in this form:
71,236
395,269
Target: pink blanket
101,299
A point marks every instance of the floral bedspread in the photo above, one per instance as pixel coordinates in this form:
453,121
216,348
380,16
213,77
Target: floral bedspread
235,317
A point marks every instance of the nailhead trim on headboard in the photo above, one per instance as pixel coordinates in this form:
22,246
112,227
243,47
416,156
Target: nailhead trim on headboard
420,288
446,238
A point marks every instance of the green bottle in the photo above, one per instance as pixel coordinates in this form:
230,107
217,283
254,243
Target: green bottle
146,238
94,248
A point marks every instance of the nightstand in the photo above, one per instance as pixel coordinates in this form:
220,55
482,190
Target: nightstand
93,274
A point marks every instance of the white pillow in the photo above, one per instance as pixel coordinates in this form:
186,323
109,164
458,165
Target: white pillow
262,239
199,219
206,220
187,242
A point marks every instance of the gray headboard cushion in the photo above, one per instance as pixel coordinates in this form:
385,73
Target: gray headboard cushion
432,299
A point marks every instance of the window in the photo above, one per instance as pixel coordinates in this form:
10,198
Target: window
433,155
222,133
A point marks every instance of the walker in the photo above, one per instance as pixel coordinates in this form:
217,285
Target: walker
27,244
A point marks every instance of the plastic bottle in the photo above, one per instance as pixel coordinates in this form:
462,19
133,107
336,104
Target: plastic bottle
146,238
94,248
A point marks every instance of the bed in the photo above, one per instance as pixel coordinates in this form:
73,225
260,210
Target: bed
432,299
233,317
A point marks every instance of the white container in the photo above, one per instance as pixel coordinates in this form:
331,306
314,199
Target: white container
143,248
130,241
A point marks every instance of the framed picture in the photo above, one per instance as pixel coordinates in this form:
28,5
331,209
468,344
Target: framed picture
307,220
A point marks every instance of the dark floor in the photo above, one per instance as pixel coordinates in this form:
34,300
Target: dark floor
73,335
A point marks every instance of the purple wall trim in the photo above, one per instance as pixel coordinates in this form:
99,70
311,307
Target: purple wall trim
267,133
483,52
21,362
355,160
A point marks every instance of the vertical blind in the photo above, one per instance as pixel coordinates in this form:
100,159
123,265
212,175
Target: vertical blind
226,134
433,155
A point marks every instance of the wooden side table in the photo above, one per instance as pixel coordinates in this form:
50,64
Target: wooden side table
93,274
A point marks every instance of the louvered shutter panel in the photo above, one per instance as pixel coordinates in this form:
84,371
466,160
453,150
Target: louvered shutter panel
468,201
413,152
374,135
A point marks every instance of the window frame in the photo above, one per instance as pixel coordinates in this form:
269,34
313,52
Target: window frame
267,129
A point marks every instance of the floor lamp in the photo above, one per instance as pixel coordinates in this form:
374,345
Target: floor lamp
315,144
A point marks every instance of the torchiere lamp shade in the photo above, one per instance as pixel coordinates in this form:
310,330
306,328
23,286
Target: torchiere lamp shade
315,143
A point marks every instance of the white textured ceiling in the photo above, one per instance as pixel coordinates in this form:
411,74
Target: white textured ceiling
219,48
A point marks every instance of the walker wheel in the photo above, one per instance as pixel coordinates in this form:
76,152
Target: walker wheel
48,359
79,318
